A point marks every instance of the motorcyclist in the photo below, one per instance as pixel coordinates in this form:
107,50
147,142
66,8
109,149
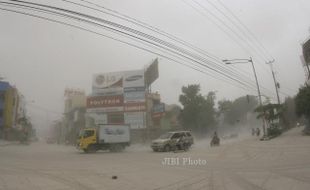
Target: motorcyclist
215,139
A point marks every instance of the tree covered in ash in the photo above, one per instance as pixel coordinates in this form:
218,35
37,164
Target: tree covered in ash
302,102
198,113
235,111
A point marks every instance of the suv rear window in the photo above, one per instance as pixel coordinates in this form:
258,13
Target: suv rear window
176,135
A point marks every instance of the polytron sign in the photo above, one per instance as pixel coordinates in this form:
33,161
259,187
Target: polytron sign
104,101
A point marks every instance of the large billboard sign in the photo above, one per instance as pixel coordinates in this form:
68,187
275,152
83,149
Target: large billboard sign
306,51
134,94
151,73
121,96
108,83
133,78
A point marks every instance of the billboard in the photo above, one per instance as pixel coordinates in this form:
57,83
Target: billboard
108,83
158,108
135,119
158,111
106,110
98,118
151,73
70,92
134,96
306,51
137,106
133,78
104,101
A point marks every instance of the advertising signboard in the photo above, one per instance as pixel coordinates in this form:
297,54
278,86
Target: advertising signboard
137,106
98,118
70,92
151,73
157,108
158,111
104,101
108,83
133,78
135,119
106,110
134,96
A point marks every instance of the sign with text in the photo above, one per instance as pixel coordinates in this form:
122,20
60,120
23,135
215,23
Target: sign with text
108,83
137,106
133,78
135,119
134,96
104,101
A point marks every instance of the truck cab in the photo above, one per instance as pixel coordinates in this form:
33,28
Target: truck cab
87,138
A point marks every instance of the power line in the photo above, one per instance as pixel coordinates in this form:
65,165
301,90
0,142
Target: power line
247,29
187,57
227,33
52,20
222,29
147,26
79,19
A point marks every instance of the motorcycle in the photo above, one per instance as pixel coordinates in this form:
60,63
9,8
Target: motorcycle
215,141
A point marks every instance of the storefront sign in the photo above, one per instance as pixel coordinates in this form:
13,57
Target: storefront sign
139,106
136,120
104,101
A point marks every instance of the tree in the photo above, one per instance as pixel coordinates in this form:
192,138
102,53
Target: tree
302,102
238,109
289,118
270,111
198,113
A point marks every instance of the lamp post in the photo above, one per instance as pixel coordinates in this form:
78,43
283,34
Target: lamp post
235,61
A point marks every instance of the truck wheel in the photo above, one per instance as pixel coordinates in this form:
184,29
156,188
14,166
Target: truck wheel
116,148
91,149
167,148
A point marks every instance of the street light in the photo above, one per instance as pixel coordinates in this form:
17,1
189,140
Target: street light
235,61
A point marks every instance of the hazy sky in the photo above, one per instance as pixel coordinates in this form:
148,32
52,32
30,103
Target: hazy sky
43,58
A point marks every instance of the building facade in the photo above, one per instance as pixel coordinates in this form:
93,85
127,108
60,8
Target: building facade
13,118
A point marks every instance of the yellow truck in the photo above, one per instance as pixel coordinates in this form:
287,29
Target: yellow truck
104,137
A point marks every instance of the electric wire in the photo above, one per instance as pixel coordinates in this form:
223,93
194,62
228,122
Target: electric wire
171,59
149,42
186,57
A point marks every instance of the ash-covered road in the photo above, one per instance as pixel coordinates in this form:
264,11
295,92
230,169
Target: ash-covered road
282,163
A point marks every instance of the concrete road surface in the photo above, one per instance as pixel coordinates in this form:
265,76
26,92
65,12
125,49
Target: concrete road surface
282,163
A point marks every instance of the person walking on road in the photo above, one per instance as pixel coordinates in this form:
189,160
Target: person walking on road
257,131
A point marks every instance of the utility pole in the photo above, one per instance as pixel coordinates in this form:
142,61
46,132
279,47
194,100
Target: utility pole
276,84
235,61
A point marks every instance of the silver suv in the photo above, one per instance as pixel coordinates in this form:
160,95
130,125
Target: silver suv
177,140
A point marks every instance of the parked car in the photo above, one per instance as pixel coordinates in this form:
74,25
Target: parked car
177,140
